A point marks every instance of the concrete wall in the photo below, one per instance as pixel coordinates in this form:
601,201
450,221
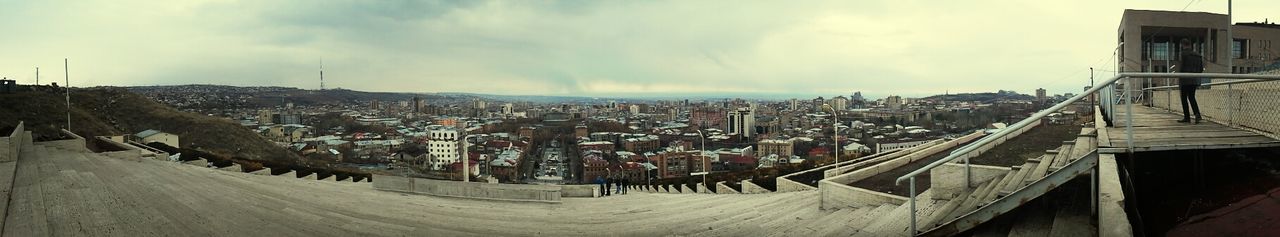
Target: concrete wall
786,185
947,181
893,161
751,188
859,164
487,191
131,152
837,196
724,189
702,188
75,143
578,190
197,162
11,145
233,168
689,189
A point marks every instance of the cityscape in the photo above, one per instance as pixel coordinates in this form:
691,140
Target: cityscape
629,138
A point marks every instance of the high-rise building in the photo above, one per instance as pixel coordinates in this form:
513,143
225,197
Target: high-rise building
508,108
741,121
817,103
446,146
417,104
893,102
795,104
1041,95
839,103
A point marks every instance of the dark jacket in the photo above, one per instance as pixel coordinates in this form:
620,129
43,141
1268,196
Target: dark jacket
1192,62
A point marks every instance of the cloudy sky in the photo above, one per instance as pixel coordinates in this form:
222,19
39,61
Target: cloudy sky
592,48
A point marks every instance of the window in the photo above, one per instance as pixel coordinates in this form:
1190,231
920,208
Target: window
1239,48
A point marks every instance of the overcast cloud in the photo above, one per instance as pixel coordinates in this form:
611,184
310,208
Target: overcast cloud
593,48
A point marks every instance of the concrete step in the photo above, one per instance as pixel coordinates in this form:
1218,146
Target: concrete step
1041,169
1017,178
842,224
1073,220
1033,223
872,215
972,201
950,207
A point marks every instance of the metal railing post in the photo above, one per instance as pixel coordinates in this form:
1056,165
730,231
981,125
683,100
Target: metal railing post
968,174
1128,126
913,206
1230,110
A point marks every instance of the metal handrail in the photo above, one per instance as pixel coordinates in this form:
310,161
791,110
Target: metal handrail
1108,84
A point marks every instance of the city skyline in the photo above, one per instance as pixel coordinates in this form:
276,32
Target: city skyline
592,49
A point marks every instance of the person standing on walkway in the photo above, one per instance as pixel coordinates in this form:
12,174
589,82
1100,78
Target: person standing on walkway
625,185
608,184
1192,62
600,181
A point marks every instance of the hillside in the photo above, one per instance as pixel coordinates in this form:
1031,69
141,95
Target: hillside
985,97
116,111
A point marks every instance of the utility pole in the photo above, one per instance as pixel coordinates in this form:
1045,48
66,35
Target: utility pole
37,76
67,74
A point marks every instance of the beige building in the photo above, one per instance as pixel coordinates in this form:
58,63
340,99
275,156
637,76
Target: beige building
782,148
149,136
1148,42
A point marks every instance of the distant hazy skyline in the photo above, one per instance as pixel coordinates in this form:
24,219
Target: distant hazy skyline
586,48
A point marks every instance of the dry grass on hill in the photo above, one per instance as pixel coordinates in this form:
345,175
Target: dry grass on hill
115,111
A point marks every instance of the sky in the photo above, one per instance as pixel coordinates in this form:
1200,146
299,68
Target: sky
580,48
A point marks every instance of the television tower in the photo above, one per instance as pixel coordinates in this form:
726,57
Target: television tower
322,74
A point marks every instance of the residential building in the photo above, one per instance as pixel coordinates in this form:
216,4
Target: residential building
780,147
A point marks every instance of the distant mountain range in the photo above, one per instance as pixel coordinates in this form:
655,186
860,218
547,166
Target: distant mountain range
986,97
274,95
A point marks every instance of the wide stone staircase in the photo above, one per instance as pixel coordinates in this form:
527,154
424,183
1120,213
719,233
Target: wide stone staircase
59,191
1004,193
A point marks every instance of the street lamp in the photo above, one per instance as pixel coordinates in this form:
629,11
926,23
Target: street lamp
835,131
702,153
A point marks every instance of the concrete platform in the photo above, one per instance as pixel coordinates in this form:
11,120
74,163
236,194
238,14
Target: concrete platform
1158,130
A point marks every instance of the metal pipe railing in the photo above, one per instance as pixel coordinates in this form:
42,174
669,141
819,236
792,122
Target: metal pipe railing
1108,85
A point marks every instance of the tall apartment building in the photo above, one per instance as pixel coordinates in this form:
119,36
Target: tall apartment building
741,121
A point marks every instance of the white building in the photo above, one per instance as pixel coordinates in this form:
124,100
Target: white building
634,109
446,146
741,122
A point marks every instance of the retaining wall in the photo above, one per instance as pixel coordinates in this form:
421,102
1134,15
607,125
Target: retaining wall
724,189
74,143
579,190
947,181
11,146
837,195
751,188
488,191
